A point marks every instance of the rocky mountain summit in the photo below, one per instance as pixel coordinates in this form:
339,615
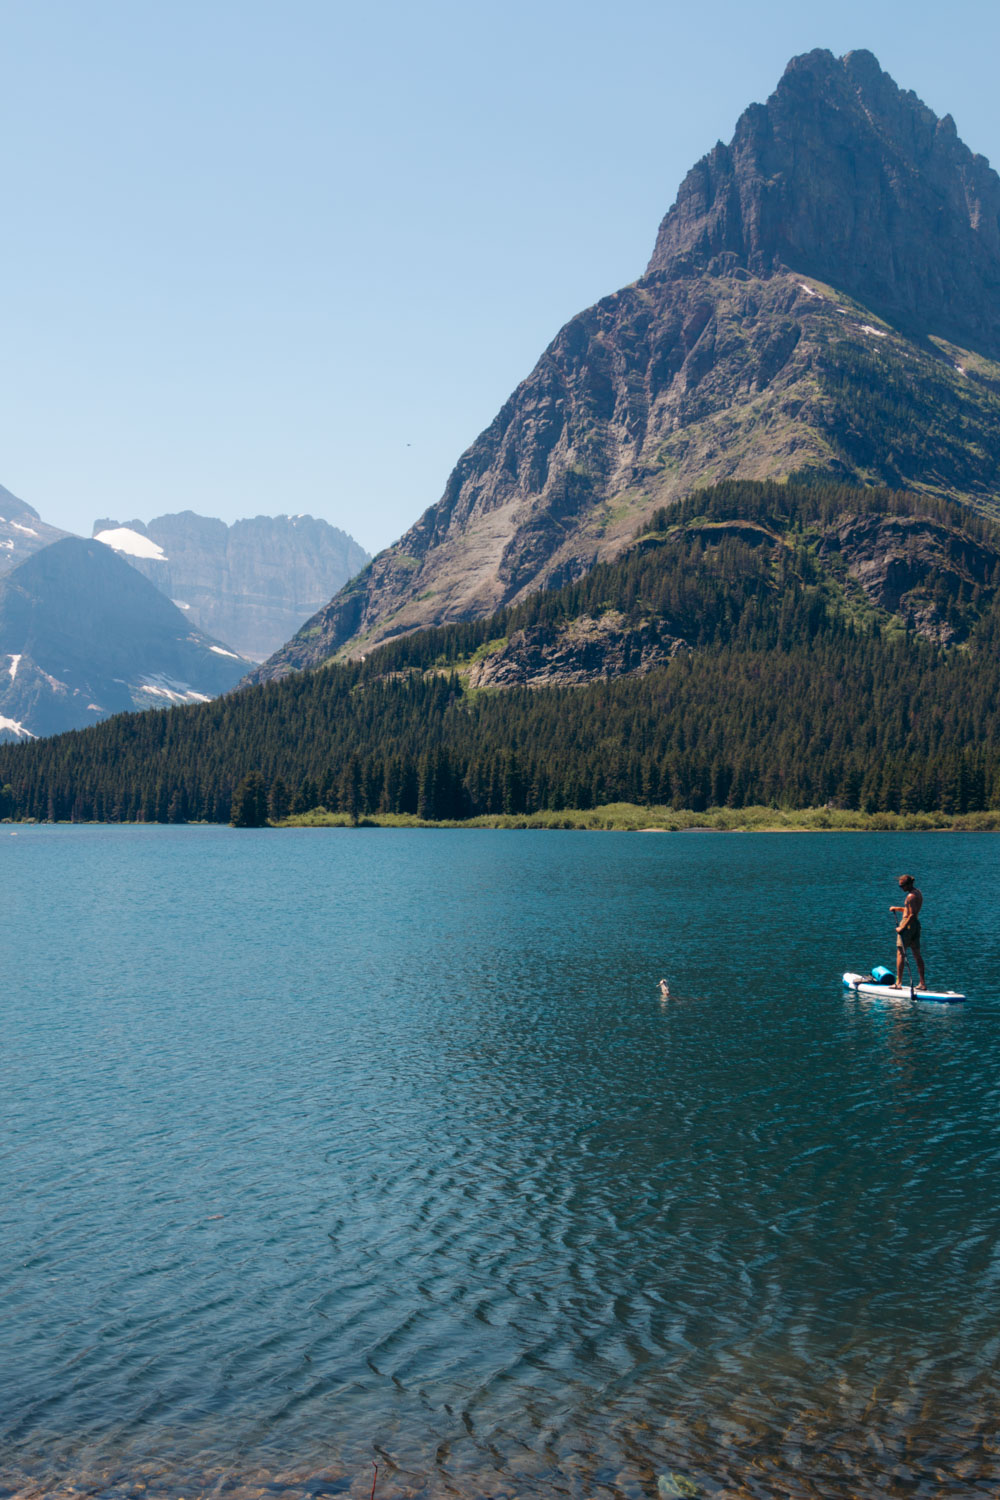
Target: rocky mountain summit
22,531
844,176
823,298
251,584
85,636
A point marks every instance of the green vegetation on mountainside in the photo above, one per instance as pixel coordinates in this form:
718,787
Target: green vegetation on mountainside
798,691
896,412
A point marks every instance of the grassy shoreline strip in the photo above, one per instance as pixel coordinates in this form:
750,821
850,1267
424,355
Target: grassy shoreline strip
627,817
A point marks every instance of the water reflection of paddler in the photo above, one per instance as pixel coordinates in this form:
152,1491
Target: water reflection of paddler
908,930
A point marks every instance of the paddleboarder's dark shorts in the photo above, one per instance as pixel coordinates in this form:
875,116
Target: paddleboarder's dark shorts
910,935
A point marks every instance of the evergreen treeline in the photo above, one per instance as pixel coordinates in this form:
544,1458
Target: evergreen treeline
796,694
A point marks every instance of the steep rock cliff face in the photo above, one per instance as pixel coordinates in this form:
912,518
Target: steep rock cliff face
915,567
251,584
845,176
824,296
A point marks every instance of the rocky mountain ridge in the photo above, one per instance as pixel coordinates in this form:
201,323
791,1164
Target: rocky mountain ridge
22,531
824,297
252,583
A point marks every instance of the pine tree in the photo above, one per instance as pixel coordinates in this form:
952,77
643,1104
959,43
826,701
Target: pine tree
278,800
351,789
249,808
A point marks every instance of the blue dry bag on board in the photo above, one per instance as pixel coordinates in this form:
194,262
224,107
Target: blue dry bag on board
882,975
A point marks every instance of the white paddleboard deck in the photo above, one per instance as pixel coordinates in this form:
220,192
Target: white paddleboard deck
862,985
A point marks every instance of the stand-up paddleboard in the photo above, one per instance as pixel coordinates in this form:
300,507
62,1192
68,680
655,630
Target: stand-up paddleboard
863,984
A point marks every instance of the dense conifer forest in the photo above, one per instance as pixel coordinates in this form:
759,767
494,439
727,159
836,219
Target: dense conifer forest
796,692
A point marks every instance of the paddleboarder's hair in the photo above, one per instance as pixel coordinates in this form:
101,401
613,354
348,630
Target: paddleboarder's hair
907,880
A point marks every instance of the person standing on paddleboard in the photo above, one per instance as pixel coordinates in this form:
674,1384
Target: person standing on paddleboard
908,931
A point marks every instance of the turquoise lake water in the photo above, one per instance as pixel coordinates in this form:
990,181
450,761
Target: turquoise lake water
326,1147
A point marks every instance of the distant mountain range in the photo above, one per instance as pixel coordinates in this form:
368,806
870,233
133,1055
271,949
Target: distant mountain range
823,300
251,584
84,636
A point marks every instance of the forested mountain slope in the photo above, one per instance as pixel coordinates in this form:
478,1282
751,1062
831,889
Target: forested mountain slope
824,297
798,644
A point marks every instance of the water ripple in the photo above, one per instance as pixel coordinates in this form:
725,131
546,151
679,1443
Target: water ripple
353,1146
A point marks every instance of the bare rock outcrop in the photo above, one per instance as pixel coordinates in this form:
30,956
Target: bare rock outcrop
578,651
915,567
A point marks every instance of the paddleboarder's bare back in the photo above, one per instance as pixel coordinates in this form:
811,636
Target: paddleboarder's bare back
908,930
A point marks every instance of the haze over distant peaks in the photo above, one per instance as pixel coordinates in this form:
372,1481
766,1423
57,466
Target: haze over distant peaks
823,300
253,583
83,635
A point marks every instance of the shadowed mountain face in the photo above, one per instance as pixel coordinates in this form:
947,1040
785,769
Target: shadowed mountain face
84,636
22,531
824,298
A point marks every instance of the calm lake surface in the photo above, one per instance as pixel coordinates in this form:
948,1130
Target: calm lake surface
329,1146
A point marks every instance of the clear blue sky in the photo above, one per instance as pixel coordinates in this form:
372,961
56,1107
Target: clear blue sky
264,257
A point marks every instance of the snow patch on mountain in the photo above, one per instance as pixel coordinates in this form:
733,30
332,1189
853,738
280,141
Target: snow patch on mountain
170,689
16,728
131,543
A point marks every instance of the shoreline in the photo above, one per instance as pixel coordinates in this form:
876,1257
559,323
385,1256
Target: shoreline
617,817
624,817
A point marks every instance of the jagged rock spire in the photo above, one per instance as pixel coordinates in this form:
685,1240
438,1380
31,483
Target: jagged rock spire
844,176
